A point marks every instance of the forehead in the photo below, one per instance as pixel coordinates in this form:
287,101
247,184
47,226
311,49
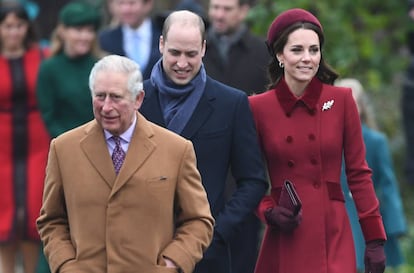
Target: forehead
184,35
109,79
224,3
303,37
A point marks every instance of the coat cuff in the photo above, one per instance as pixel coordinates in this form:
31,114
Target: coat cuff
373,229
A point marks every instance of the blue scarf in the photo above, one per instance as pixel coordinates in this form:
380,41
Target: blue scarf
177,101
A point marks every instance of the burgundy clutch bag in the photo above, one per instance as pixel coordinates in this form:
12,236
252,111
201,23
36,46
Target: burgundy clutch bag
289,198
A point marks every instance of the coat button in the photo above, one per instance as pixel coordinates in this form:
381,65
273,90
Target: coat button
289,139
316,185
314,161
291,163
311,137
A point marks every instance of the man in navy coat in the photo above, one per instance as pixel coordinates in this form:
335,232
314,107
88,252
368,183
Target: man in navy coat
136,36
217,119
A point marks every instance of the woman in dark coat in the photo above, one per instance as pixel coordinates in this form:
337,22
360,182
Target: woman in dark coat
24,140
305,125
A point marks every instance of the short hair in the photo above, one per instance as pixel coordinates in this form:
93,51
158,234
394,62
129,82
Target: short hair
190,18
119,64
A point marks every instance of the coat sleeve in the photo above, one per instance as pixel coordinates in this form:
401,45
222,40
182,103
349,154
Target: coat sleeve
53,223
193,217
359,174
46,98
248,169
387,189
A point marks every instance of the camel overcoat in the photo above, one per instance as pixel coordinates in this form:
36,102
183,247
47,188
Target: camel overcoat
304,140
94,221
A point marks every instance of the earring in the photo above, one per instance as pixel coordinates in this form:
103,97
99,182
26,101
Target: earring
281,65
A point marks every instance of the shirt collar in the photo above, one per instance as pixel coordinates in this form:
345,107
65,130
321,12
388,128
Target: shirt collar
144,30
127,135
289,101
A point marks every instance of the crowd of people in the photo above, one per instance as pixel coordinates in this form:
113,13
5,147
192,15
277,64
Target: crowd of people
167,143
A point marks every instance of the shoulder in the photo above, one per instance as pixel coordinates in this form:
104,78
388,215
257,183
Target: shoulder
52,65
339,90
374,136
223,90
265,97
159,133
76,133
110,31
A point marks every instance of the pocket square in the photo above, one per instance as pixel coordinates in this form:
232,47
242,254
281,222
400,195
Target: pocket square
289,198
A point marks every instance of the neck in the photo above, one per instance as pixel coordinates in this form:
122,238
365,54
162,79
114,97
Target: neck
13,53
297,88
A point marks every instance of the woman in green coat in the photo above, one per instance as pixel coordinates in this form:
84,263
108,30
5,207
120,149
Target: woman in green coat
62,88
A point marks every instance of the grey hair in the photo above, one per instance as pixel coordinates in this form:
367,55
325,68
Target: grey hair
119,64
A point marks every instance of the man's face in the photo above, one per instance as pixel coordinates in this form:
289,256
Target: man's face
113,106
226,15
131,12
182,52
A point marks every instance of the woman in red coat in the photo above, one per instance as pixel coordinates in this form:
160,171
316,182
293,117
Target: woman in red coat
24,140
306,126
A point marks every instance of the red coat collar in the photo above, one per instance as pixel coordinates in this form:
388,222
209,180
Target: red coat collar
288,100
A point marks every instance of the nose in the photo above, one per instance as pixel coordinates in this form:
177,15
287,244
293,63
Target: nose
182,61
306,56
107,104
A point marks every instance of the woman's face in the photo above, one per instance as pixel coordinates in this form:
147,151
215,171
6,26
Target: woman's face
13,31
78,40
301,56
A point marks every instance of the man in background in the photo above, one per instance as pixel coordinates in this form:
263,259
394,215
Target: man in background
234,55
136,35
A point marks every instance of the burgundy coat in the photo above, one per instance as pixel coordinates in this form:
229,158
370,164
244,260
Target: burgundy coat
303,140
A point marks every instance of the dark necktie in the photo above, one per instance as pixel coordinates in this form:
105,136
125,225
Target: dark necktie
118,155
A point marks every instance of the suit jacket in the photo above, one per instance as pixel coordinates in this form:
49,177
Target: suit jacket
303,140
246,66
111,40
95,221
224,137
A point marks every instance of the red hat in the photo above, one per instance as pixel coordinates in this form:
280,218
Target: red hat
288,18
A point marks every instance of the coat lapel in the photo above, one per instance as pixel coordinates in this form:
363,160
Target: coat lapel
95,148
199,117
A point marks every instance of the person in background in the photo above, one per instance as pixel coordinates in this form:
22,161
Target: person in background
62,87
135,36
306,126
217,119
234,55
144,210
386,186
24,139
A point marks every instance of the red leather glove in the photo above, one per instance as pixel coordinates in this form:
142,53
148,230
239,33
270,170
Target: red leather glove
374,257
282,218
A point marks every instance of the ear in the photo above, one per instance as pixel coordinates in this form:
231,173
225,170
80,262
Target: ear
161,44
279,57
203,48
139,99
